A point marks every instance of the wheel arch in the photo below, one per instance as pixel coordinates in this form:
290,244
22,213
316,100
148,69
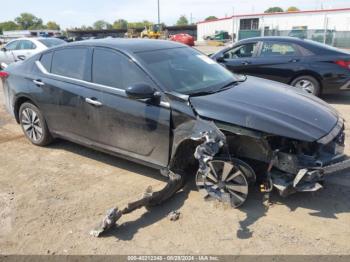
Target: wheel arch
183,160
18,102
308,73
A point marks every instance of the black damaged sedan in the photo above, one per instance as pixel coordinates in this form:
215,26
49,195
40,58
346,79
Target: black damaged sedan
170,107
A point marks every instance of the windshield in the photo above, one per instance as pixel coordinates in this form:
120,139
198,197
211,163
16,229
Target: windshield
50,42
186,70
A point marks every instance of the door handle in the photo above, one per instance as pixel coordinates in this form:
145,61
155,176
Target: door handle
21,57
38,82
93,101
245,63
294,60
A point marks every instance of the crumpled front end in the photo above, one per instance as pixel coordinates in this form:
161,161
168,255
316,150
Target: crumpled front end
302,167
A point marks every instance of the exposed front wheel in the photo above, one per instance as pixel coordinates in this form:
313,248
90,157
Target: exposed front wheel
33,125
226,181
308,84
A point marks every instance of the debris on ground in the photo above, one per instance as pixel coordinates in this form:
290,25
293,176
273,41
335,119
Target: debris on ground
209,139
174,215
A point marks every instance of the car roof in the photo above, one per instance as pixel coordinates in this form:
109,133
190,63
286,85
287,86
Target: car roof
274,38
129,45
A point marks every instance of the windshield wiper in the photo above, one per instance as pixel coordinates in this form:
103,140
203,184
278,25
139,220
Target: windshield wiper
233,83
225,87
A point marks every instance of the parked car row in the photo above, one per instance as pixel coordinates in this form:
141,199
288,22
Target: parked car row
169,106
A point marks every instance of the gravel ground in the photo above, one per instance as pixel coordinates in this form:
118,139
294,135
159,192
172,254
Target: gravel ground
51,197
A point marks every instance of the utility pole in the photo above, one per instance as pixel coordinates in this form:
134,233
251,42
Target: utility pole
233,26
158,13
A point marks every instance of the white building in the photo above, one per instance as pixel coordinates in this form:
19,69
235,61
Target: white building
262,24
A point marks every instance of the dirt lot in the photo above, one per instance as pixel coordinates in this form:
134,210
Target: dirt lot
51,197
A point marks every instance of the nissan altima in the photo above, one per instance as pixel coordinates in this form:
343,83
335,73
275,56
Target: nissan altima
169,106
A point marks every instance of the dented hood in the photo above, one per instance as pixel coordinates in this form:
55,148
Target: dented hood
270,107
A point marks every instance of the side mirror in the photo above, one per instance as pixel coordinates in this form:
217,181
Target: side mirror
4,49
140,91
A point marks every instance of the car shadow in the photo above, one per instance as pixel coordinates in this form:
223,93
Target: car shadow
326,203
127,230
108,159
342,98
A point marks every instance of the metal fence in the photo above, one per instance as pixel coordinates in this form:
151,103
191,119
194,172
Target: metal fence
335,38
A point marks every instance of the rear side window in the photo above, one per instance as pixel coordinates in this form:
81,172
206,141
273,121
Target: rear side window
116,70
46,61
278,49
70,62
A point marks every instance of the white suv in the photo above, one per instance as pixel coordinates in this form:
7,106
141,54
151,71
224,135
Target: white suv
22,48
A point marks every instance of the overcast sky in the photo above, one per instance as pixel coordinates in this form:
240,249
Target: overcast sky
74,13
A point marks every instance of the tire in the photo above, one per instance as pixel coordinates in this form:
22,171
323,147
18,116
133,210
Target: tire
308,84
231,185
34,125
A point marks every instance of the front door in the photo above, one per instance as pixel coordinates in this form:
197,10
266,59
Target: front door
25,49
137,128
241,59
7,56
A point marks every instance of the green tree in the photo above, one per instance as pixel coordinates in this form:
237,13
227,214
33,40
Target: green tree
8,26
139,24
293,9
182,20
275,9
120,24
211,18
29,21
102,25
52,26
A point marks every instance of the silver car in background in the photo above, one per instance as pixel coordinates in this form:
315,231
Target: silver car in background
22,48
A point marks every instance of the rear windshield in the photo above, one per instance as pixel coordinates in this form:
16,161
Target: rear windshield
328,47
50,42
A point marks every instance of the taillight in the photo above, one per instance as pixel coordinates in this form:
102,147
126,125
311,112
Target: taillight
4,74
343,63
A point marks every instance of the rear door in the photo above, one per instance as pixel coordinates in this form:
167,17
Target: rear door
137,128
241,59
277,61
71,104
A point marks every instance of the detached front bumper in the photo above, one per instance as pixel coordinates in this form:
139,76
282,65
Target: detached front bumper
306,180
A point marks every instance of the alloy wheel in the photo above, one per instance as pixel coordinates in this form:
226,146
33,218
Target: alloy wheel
225,182
31,124
306,85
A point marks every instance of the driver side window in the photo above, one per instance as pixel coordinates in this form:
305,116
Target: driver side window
242,51
12,46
